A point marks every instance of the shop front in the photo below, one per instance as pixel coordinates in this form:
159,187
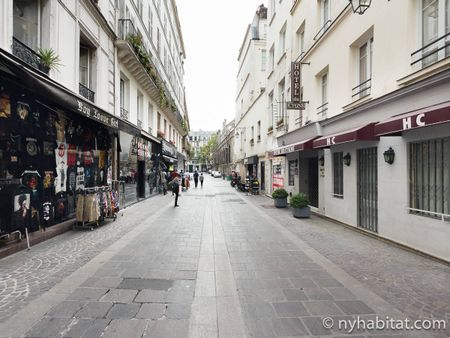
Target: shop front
54,146
251,164
169,156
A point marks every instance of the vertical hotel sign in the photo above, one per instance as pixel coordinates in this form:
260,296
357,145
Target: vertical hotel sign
295,82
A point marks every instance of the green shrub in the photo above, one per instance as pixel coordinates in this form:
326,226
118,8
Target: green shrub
280,193
300,200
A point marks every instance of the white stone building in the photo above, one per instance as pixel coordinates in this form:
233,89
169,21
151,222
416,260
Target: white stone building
252,123
376,90
198,139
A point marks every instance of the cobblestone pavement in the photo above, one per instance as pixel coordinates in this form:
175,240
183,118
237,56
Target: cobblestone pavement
27,274
222,265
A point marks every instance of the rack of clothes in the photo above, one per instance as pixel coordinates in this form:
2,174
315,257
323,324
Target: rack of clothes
96,204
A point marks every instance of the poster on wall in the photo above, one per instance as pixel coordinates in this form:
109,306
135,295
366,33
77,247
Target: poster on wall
277,173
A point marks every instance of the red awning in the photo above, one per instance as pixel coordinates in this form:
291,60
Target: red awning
365,133
417,119
299,146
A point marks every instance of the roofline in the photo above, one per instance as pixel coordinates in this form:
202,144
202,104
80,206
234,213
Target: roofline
177,19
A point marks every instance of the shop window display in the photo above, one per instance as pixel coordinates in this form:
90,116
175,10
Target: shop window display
47,156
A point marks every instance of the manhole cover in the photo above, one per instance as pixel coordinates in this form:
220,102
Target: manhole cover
142,284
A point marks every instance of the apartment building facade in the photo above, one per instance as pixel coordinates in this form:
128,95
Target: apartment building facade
62,126
199,139
371,146
252,124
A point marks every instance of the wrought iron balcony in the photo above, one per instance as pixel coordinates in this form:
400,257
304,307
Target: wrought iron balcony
322,110
139,124
361,90
126,29
124,114
87,93
432,52
28,55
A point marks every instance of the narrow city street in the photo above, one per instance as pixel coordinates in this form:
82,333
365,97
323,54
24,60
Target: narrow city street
223,264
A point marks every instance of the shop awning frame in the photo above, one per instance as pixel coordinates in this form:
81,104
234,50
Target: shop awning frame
429,116
299,146
363,133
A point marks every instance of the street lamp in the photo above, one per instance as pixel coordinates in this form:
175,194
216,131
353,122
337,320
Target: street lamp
360,6
389,155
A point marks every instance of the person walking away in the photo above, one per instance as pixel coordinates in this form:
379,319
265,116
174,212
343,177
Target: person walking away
163,181
196,178
175,186
201,180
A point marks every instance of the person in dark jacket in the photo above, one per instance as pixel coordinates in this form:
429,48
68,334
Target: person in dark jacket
175,186
201,179
196,178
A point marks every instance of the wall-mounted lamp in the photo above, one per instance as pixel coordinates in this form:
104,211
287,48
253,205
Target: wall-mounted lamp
389,155
347,159
360,6
321,161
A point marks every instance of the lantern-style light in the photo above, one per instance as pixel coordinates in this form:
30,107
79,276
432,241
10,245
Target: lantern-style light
360,6
347,159
389,155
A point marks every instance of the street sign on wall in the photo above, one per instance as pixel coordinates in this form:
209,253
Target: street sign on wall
295,82
295,105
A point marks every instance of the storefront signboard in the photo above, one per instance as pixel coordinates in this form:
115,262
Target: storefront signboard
169,149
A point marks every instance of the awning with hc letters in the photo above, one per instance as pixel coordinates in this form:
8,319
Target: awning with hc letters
424,117
364,133
299,146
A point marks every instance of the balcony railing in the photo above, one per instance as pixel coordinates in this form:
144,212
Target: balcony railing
87,93
322,110
126,29
28,55
432,52
139,124
124,114
361,90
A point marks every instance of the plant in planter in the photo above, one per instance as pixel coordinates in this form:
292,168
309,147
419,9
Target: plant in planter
300,206
280,198
49,58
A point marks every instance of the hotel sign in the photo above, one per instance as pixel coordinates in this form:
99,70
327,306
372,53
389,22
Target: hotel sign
296,82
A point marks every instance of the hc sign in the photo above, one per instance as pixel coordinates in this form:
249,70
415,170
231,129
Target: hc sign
408,122
331,140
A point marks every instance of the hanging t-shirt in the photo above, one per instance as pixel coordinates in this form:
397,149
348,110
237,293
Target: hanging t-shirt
22,118
32,179
70,132
88,156
88,178
60,206
5,106
31,153
61,167
71,155
13,154
71,179
48,212
50,130
22,210
80,178
48,160
35,118
48,181
60,126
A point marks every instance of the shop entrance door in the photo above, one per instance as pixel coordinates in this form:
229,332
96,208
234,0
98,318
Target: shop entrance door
141,181
263,175
368,189
313,181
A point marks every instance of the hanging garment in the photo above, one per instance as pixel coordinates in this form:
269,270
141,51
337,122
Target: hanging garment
80,208
61,167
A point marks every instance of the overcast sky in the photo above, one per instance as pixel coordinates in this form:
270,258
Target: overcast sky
213,31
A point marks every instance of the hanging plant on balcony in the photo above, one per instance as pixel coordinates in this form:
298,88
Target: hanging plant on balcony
49,58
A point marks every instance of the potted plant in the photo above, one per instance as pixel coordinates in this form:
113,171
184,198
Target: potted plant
280,198
49,59
300,206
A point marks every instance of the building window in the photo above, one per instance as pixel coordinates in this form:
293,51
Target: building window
150,21
435,25
365,70
158,41
263,60
301,39
150,117
140,7
282,40
273,7
281,99
272,58
140,107
85,66
323,108
325,12
259,131
26,22
429,178
338,175
165,129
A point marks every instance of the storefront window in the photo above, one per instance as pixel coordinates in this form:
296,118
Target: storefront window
429,176
338,175
128,172
292,169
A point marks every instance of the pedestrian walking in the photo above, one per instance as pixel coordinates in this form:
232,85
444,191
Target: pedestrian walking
175,186
201,180
163,181
196,178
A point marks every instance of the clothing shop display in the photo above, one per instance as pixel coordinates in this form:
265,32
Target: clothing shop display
53,155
